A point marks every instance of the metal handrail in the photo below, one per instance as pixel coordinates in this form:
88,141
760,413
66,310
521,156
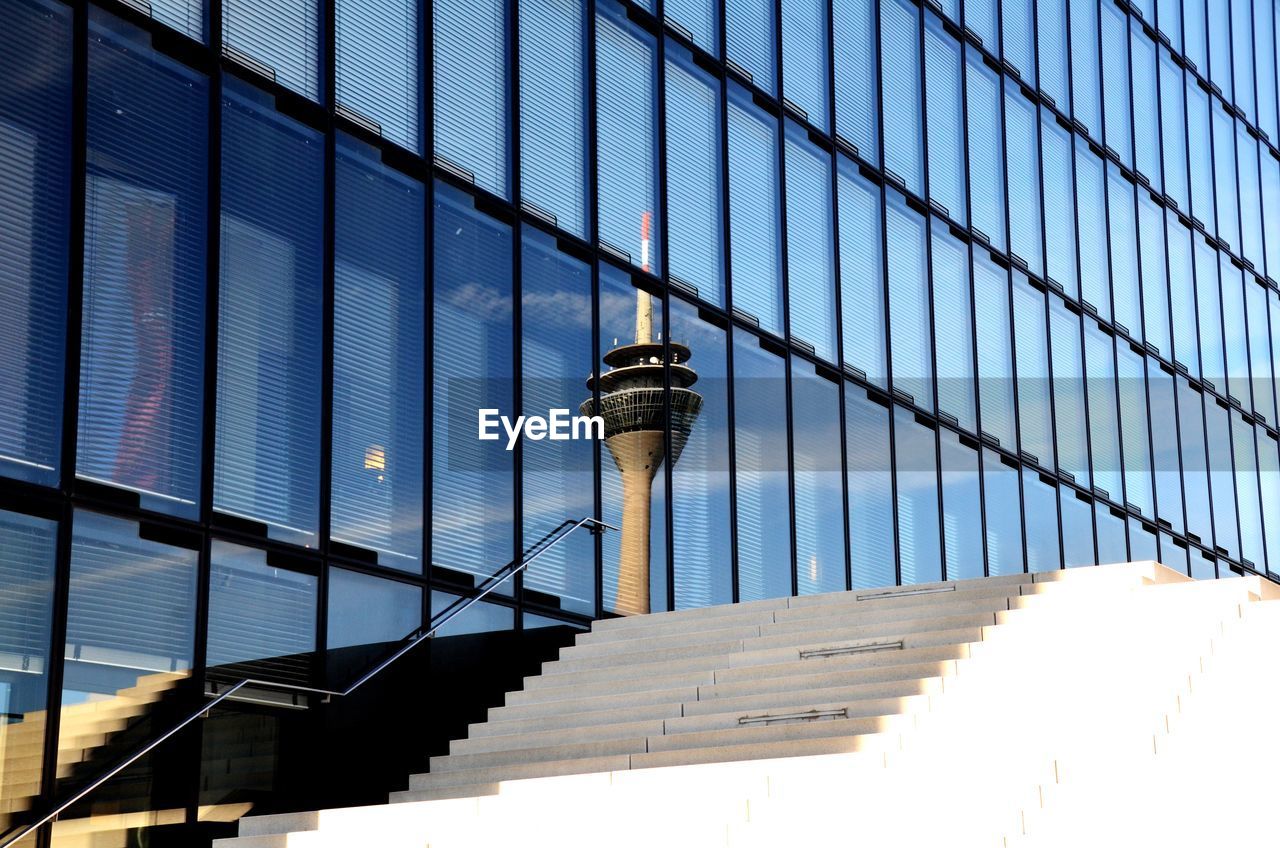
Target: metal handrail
411,640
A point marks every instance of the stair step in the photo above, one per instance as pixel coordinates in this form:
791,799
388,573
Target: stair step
517,771
566,751
556,736
570,715
551,702
807,676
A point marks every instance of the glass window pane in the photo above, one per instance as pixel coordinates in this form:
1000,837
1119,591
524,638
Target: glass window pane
694,188
751,39
1051,27
953,327
1226,535
142,344
377,356
819,490
1224,165
1040,500
377,72
805,64
862,294
857,76
620,305
810,244
944,90
911,343
871,531
553,111
269,319
1235,331
27,551
557,474
982,16
1112,543
35,201
1200,155
1086,70
1247,494
1155,291
1173,129
1195,466
760,444
1269,481
1143,541
473,495
700,491
130,624
1182,296
1261,378
1134,431
1250,198
1003,507
262,618
986,162
1146,121
1091,194
755,212
479,618
1164,444
1031,344
961,506
470,89
627,137
1059,199
1024,179
1209,300
366,610
1115,81
1104,416
277,38
1124,252
995,349
916,484
1077,528
699,18
903,123
1069,403
1017,24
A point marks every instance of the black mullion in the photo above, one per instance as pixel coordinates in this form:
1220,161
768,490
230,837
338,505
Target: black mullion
727,255
512,38
426,128
593,239
663,271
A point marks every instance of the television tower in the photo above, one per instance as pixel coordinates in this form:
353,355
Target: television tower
631,404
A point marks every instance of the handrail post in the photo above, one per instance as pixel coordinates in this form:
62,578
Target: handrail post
411,640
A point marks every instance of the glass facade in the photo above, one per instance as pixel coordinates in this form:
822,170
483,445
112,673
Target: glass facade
917,291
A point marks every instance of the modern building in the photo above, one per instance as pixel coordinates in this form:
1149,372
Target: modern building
967,290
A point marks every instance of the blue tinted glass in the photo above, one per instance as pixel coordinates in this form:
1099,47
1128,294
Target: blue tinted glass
961,507
986,162
35,199
556,350
1040,503
700,18
627,137
1003,508
1269,480
1134,432
277,38
1224,165
1226,533
1264,33
186,16
479,618
377,74
862,294
1195,466
870,482
1235,331
1112,544
1196,34
553,111
1124,252
1115,82
944,93
700,490
1182,295
1155,290
1146,119
142,344
1200,155
1031,349
1055,61
366,610
1019,37
760,436
694,189
953,328
856,75
819,495
1173,130
377,355
1219,70
910,340
916,485
1164,445
470,79
1261,376
755,207
1250,198
810,244
901,84
1069,392
1209,301
1271,209
1085,67
982,16
805,64
1091,193
1077,528
1059,201
991,318
1024,179
269,319
1104,416
751,40
472,480
1142,540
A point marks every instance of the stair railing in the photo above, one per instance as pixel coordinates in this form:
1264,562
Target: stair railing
410,641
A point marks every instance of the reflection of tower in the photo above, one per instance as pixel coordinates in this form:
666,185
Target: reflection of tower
631,403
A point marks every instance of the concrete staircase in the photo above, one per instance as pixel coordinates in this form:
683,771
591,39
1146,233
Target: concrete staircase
1094,706
85,729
